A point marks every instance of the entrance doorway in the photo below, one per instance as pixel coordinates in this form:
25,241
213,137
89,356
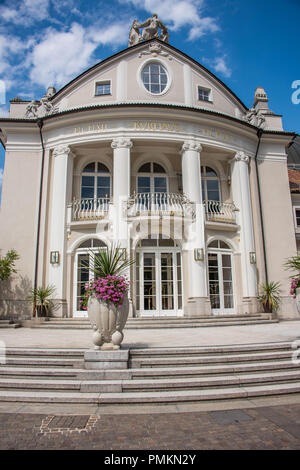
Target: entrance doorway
83,271
220,278
158,282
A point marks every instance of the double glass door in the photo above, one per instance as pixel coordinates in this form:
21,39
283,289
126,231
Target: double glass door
159,283
220,282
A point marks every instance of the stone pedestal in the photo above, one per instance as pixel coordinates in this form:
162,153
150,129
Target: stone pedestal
98,360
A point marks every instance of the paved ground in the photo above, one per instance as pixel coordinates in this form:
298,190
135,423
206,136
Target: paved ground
245,334
266,423
255,428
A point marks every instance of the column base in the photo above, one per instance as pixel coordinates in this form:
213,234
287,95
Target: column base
251,305
96,360
197,306
60,308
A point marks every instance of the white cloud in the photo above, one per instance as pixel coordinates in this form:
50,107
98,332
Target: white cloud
26,12
179,13
218,64
51,67
60,56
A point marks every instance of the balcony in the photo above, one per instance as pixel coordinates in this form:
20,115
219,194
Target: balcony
221,212
89,209
152,204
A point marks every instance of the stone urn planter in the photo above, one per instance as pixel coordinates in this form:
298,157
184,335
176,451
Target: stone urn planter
108,321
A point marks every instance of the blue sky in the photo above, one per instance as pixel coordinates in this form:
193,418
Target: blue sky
246,43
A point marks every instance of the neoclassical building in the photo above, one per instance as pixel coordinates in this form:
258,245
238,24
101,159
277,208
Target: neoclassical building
151,151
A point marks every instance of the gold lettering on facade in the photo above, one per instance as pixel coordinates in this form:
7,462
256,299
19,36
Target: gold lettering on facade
93,127
166,126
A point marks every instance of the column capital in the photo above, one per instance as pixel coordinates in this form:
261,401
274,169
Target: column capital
191,145
61,150
121,142
240,157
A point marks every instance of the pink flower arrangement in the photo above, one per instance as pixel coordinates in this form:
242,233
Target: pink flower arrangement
294,284
108,289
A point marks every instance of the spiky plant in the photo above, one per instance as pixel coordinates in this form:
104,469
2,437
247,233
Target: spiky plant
270,296
293,264
40,297
109,262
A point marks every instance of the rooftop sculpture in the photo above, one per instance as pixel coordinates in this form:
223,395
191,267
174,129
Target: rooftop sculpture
43,107
151,31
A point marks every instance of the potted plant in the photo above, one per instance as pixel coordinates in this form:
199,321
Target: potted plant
106,297
40,297
270,296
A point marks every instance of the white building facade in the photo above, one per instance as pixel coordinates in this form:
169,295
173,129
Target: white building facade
148,150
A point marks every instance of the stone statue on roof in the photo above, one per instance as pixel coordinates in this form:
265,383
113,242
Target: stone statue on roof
43,107
151,31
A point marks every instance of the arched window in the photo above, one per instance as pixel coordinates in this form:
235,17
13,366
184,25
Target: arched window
95,181
152,178
210,184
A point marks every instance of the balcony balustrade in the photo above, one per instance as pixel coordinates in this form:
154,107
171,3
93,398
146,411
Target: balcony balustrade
151,204
147,204
90,209
217,211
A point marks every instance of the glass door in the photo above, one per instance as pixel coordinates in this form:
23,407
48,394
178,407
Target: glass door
149,293
159,283
220,282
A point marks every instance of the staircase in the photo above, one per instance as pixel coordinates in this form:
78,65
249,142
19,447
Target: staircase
163,322
9,324
154,376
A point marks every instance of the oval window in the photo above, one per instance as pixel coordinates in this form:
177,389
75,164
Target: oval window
155,78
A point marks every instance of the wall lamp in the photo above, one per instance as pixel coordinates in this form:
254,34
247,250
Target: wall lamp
198,254
252,257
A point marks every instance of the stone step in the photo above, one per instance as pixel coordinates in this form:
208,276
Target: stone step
148,385
137,326
199,395
165,319
184,361
144,373
9,324
161,322
48,397
222,349
46,352
44,362
149,397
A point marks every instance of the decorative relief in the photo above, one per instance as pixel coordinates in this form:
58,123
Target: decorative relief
191,145
155,50
121,142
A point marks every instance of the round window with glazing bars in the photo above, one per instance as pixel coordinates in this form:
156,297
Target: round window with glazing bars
155,78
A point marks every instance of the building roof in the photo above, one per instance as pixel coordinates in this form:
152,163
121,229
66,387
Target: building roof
294,179
293,154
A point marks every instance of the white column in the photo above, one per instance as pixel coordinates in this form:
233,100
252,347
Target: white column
61,196
198,302
121,188
242,200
